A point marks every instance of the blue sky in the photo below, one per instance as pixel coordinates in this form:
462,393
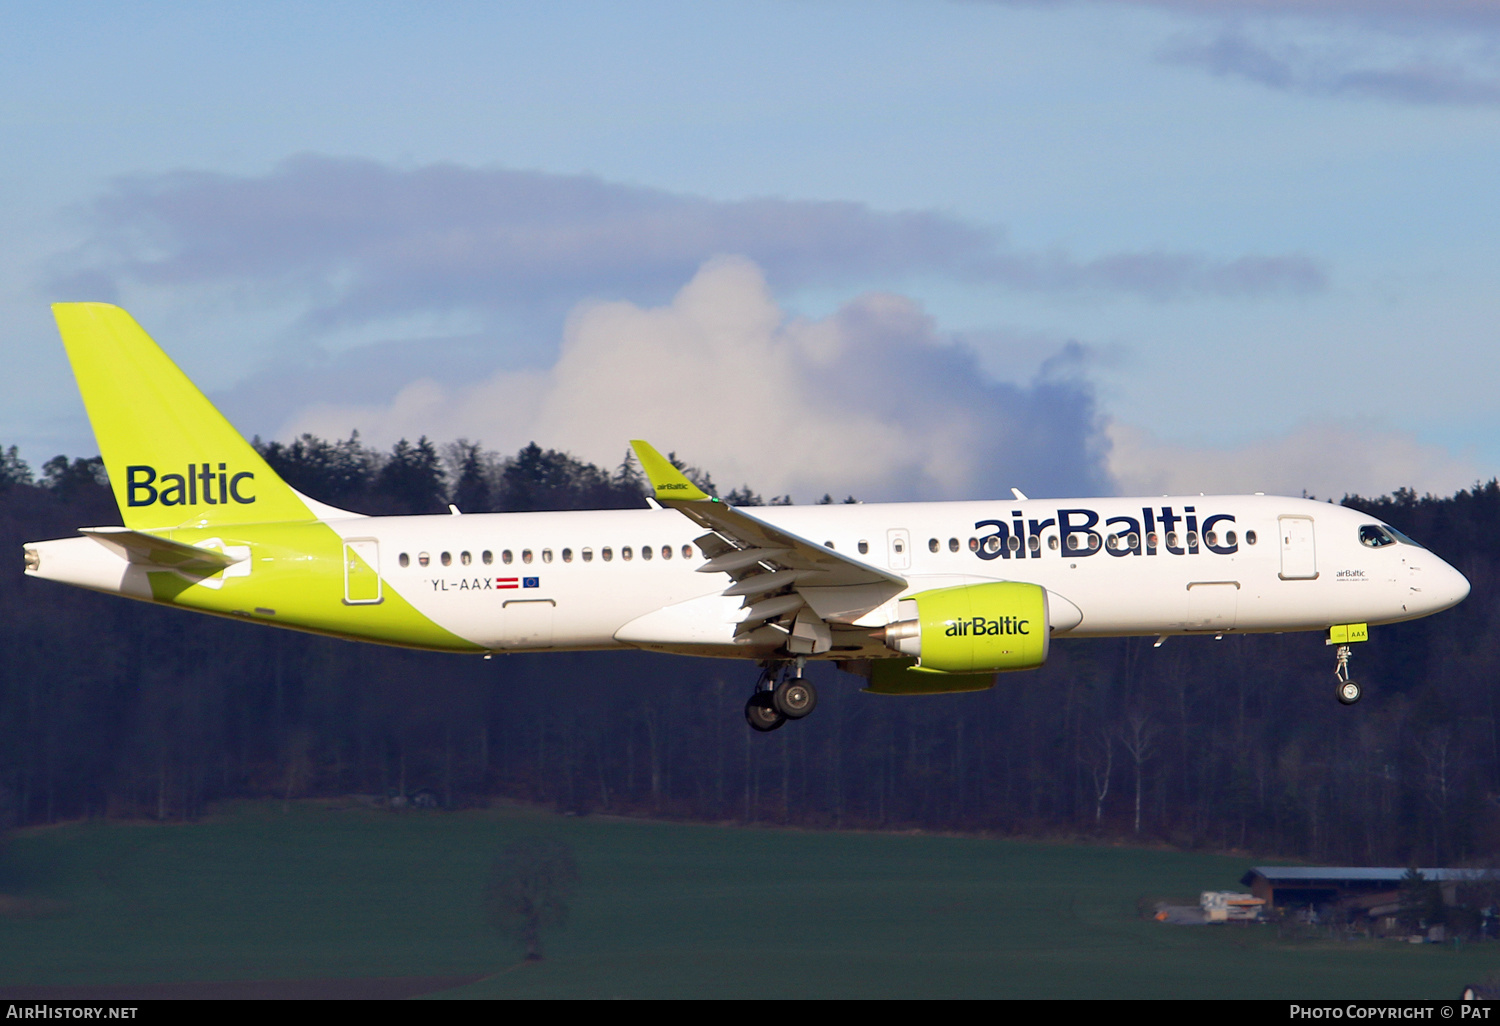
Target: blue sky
1196,246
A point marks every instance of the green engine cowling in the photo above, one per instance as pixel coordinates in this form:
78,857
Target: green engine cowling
974,628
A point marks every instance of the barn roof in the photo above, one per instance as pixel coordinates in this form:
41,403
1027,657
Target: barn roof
1364,874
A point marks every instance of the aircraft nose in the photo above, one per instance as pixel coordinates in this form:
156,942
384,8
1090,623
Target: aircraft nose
1444,587
1458,585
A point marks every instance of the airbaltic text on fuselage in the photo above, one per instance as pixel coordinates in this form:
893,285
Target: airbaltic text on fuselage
199,483
1085,533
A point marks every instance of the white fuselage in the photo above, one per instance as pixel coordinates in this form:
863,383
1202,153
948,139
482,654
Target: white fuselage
1306,568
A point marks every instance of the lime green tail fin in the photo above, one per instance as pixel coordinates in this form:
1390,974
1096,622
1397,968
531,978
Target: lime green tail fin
173,459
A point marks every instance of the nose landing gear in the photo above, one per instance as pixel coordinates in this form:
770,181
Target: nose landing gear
1348,690
1343,635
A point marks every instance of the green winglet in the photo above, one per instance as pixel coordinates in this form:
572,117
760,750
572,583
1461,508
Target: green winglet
666,479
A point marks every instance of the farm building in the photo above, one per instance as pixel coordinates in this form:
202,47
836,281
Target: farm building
1365,887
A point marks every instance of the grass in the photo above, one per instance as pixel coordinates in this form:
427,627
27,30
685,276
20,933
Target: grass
264,891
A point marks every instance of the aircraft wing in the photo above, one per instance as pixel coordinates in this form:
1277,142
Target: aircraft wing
153,552
780,575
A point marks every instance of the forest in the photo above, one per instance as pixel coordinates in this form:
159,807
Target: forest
113,708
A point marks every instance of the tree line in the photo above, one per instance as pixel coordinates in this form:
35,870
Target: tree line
118,708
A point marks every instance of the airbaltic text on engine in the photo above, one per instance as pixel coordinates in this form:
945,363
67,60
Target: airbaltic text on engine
1154,531
980,626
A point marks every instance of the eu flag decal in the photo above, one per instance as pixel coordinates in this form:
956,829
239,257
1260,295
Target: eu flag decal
531,582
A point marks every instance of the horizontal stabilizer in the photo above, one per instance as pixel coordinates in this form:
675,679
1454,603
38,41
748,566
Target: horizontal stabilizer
150,551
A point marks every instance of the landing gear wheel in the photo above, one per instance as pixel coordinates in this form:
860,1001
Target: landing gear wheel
795,697
1348,692
761,712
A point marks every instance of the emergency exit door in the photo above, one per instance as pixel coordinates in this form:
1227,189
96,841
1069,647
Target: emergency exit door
898,543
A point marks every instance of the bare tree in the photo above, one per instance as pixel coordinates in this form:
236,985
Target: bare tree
529,889
1439,753
1138,735
1100,759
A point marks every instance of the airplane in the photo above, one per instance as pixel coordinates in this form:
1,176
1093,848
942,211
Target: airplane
916,598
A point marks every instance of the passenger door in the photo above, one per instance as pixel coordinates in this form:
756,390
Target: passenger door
1299,558
361,572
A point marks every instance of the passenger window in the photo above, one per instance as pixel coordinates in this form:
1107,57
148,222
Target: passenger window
1052,542
465,558
992,543
606,553
952,544
1112,543
1133,540
645,552
1230,539
974,544
666,552
626,552
1192,539
1374,537
447,559
1034,543
588,555
423,559
864,548
486,557
404,559
687,552
526,555
1249,537
567,555
1014,543
1211,538
1152,540
546,555
932,545
1171,539
506,557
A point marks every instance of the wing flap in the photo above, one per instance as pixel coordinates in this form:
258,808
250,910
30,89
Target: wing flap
761,558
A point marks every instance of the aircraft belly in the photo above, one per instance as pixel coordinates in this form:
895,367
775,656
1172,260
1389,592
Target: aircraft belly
705,620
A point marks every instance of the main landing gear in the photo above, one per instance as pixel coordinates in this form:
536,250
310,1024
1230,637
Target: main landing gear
774,703
1348,690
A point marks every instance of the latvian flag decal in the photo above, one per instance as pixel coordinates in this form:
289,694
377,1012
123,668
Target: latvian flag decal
507,582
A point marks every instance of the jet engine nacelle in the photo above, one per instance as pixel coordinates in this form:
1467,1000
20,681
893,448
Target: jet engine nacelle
974,628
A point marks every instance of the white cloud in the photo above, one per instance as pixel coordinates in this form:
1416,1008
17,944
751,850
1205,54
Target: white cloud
1328,459
871,401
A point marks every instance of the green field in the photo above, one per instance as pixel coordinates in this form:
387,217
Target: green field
263,892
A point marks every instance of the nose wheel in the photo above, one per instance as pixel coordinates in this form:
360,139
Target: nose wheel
1348,691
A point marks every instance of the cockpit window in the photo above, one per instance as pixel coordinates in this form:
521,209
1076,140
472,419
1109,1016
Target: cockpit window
1383,534
1404,539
